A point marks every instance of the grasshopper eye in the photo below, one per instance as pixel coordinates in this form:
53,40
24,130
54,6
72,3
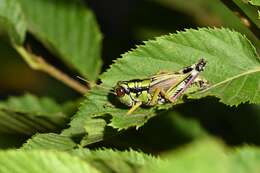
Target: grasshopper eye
120,91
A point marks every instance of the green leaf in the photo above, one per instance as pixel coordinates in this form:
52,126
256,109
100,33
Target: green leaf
255,2
108,160
30,103
122,121
215,157
69,29
200,157
49,141
186,126
95,129
249,10
212,13
233,71
28,114
41,162
84,123
88,119
233,51
246,159
12,20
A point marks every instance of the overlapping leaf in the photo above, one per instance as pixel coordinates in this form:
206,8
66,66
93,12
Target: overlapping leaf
28,114
49,141
108,160
213,158
12,20
233,71
98,106
231,59
196,157
255,2
249,10
213,13
41,162
69,29
79,160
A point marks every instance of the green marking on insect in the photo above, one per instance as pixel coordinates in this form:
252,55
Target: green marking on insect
161,88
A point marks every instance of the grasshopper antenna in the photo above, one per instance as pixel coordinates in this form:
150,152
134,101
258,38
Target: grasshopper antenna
103,87
84,80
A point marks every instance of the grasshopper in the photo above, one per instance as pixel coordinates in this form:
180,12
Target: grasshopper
162,87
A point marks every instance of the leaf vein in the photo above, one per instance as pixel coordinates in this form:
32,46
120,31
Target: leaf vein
238,90
256,92
256,70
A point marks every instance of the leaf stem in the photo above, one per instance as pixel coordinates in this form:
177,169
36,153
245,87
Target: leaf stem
38,63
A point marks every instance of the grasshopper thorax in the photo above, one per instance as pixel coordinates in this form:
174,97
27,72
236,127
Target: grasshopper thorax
133,91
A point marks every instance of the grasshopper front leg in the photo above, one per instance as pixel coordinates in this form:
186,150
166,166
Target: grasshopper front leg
133,108
155,96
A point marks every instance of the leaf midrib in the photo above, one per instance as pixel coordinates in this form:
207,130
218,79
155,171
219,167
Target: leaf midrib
256,70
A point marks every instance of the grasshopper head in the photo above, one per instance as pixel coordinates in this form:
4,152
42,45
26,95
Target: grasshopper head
123,93
200,65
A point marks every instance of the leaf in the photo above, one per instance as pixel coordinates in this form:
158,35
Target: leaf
12,20
28,114
85,113
212,13
255,2
233,71
167,131
13,161
108,160
69,29
30,103
213,158
179,128
88,119
95,130
233,51
49,141
248,157
249,10
124,121
195,157
187,127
